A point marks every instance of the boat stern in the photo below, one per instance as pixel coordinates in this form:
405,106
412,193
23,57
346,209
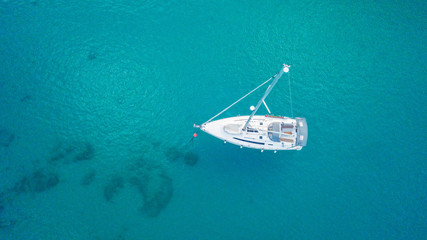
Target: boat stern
302,132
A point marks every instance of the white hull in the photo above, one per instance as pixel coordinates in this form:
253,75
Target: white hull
264,132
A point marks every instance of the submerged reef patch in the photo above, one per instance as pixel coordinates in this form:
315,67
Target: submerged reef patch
157,192
6,223
92,55
39,181
60,151
6,137
156,143
173,153
84,152
155,187
88,178
191,158
26,98
113,186
74,151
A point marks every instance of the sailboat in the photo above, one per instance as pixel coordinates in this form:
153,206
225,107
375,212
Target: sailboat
263,132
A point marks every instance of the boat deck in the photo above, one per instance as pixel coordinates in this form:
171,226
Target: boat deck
263,132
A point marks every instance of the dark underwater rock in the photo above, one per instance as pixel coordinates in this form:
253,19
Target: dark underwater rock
156,189
173,153
191,158
92,56
159,199
74,151
6,138
156,144
6,223
85,152
40,181
151,180
2,200
60,151
88,178
26,98
113,186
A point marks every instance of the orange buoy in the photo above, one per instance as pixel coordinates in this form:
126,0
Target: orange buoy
194,135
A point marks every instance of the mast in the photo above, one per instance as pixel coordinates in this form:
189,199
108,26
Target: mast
270,87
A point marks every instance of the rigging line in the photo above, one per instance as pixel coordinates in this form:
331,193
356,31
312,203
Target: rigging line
238,100
290,94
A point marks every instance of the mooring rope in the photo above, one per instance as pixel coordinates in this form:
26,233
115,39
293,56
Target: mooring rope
192,139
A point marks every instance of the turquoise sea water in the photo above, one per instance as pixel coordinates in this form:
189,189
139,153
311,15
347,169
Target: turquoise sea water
98,99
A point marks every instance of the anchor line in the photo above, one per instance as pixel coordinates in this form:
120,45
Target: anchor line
192,139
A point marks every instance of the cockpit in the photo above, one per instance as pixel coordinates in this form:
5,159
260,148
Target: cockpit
281,132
